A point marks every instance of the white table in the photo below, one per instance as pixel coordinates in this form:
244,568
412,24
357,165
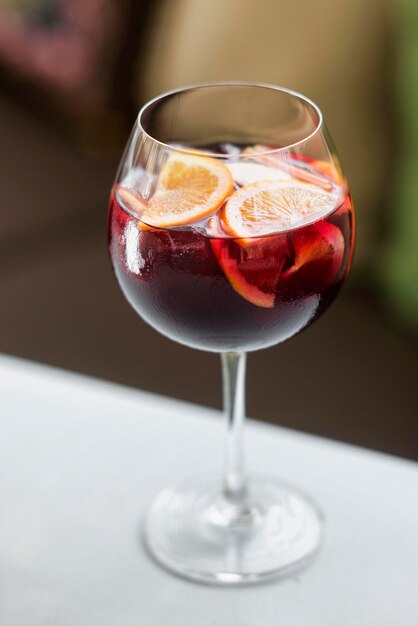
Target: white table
80,461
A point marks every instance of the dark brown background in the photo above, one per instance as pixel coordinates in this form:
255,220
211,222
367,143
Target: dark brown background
351,376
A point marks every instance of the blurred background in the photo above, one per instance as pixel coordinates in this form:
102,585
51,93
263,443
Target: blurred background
73,74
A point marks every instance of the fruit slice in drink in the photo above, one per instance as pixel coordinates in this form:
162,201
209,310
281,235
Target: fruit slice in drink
271,206
254,262
253,269
189,189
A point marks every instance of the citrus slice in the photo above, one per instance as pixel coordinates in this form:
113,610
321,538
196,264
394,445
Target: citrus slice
253,271
329,169
130,201
321,243
189,189
133,204
272,206
246,172
318,172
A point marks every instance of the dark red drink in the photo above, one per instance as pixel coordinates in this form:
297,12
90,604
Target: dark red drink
202,287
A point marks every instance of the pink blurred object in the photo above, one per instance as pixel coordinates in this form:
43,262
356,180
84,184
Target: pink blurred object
59,44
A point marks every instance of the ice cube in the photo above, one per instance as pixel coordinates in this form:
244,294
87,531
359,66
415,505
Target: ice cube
246,172
140,182
230,149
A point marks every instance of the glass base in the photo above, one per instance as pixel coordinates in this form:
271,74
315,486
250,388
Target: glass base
196,532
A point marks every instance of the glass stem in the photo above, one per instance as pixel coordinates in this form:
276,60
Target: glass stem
233,379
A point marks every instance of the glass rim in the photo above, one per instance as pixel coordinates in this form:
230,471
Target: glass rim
193,86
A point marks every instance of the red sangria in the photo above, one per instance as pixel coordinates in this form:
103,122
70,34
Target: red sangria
266,260
231,229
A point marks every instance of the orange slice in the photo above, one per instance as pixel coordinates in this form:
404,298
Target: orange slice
318,258
133,204
253,271
295,165
272,206
329,169
190,188
130,201
322,242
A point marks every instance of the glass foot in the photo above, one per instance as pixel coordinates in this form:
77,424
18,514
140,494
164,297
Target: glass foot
198,533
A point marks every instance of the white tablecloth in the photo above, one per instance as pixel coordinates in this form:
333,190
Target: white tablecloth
81,459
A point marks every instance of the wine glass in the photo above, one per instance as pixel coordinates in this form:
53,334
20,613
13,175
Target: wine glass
231,230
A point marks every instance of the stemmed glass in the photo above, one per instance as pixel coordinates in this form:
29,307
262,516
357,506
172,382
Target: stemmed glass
231,230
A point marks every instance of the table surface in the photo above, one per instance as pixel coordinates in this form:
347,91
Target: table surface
80,461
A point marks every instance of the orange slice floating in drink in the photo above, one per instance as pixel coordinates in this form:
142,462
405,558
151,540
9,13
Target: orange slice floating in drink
321,243
133,204
253,271
319,173
190,189
130,200
266,207
254,261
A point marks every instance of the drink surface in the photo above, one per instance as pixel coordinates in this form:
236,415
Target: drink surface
232,254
